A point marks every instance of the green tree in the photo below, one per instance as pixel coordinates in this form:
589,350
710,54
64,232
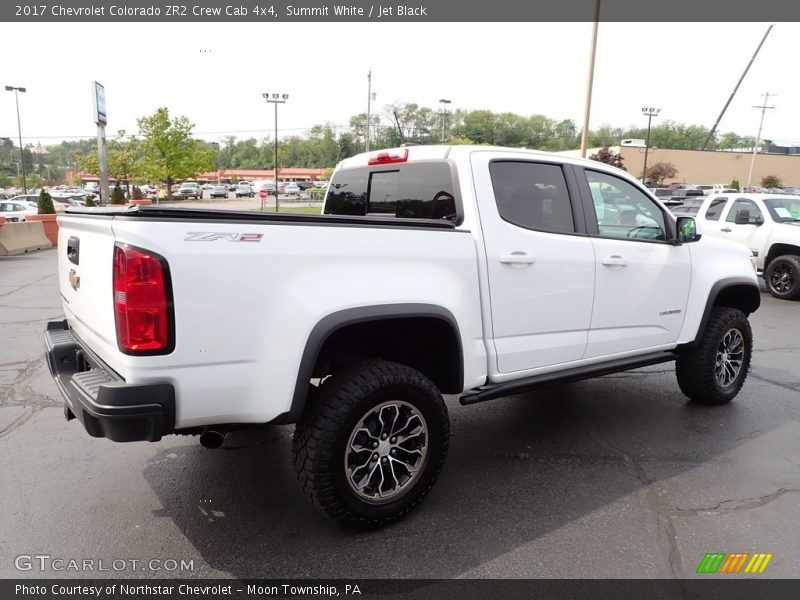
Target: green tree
123,159
730,140
169,152
735,184
480,126
45,204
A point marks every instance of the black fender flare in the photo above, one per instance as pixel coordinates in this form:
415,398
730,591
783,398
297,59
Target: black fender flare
752,302
343,318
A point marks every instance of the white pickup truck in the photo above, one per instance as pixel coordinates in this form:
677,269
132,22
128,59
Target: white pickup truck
475,271
769,225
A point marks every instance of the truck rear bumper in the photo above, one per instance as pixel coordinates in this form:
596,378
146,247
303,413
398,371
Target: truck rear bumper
105,404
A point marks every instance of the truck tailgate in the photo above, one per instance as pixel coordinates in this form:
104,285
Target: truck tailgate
85,270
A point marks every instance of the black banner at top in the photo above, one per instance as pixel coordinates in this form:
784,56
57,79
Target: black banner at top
419,11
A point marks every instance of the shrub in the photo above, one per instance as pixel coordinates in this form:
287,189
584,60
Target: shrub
117,196
90,201
771,181
46,204
137,193
661,171
735,184
609,157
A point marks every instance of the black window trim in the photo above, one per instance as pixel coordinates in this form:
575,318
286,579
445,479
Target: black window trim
369,191
573,193
591,216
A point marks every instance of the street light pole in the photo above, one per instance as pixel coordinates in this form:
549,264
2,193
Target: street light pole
16,90
650,113
276,99
444,102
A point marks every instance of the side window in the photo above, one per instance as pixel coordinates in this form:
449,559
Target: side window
423,190
532,195
715,209
347,194
742,204
623,211
426,191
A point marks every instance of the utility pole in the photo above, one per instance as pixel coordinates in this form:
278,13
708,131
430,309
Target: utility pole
588,107
764,109
369,106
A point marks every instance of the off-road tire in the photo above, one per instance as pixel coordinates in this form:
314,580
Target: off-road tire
696,367
321,439
782,277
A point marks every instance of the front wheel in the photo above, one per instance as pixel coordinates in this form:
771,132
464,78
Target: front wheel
713,371
372,444
782,277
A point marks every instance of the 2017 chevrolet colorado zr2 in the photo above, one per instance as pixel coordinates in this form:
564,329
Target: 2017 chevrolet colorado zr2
464,270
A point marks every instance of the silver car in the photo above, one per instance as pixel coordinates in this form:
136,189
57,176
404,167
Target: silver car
244,189
219,190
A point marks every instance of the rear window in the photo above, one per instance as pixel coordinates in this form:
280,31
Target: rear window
423,190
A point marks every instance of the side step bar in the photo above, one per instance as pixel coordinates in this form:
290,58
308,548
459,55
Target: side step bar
500,390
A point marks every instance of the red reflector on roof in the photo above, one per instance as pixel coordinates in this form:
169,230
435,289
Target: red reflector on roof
387,157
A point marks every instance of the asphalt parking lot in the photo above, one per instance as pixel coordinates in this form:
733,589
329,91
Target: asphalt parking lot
614,477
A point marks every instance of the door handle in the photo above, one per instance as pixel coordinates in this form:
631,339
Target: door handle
726,229
517,258
614,261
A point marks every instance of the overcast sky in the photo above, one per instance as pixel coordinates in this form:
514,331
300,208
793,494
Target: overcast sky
215,73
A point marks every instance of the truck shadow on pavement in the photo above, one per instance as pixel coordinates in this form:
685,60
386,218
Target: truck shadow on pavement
594,461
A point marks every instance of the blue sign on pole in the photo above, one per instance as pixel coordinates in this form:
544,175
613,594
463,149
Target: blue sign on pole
100,116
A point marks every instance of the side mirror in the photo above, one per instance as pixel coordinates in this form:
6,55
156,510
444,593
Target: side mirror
742,217
687,230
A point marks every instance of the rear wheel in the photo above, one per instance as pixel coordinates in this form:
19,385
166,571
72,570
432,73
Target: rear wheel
372,445
713,371
782,277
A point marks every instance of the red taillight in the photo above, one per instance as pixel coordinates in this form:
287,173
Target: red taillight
141,301
388,157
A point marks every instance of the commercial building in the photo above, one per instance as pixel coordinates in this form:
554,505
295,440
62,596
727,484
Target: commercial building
710,166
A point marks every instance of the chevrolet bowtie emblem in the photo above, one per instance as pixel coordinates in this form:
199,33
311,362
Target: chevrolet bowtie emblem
74,280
